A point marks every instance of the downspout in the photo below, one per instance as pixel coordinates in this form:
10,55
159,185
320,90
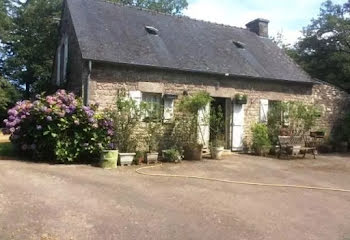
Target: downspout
87,86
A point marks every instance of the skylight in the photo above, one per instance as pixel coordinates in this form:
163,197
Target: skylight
152,30
239,44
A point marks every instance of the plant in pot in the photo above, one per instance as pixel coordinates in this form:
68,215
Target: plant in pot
241,98
171,155
153,123
126,117
217,128
109,157
261,142
187,123
139,157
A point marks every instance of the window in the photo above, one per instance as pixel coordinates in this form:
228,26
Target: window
152,30
62,60
156,105
238,44
152,105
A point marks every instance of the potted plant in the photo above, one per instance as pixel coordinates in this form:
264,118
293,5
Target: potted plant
187,123
261,141
241,98
153,126
126,117
139,157
217,126
171,155
109,157
217,149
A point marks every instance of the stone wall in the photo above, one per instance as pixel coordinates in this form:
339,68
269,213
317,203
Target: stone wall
334,102
106,80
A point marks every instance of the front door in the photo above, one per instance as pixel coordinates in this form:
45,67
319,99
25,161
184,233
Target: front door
237,127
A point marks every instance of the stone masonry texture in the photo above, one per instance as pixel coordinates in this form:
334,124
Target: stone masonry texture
107,79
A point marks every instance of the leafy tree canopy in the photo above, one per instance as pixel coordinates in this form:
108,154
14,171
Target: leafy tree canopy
324,49
29,35
165,6
8,97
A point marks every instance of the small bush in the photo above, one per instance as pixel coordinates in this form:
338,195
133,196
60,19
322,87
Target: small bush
172,155
58,127
6,149
261,141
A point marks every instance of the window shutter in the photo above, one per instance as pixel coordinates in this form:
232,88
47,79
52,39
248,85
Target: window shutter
264,108
168,107
136,96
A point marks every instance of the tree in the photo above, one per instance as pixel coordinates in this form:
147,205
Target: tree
166,6
8,97
324,50
31,44
31,30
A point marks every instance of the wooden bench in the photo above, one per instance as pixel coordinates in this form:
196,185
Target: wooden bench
294,145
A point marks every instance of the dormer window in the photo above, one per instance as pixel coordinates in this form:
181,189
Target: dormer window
152,30
238,44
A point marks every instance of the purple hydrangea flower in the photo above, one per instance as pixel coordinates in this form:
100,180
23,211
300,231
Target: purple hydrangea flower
24,147
49,118
12,112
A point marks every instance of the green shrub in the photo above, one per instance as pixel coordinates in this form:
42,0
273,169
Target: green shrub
58,127
261,141
296,118
126,117
186,126
217,127
172,155
7,150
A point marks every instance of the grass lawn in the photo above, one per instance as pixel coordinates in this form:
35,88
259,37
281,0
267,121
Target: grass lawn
6,148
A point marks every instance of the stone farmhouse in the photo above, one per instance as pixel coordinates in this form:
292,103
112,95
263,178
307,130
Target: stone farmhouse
106,47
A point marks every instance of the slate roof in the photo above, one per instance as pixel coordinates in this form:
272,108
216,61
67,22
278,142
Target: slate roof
116,33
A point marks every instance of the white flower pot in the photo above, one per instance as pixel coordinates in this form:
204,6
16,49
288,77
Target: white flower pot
126,158
152,157
216,152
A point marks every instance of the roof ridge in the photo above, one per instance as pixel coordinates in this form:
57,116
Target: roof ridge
170,15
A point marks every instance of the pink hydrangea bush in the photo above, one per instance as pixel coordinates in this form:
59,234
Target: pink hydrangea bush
58,127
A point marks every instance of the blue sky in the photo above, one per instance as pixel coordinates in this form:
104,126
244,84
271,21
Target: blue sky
286,16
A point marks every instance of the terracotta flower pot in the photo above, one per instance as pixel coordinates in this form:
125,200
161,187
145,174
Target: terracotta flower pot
193,152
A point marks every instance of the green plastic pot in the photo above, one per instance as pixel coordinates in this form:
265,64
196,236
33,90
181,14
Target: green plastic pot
109,159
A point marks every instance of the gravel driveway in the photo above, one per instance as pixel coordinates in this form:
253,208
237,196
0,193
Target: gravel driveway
51,202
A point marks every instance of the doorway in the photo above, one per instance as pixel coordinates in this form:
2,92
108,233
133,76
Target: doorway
221,131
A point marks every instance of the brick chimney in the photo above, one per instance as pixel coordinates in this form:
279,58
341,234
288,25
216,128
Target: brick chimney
259,26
